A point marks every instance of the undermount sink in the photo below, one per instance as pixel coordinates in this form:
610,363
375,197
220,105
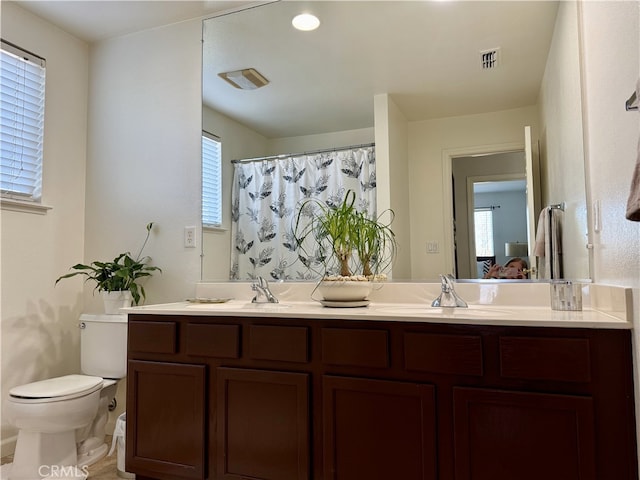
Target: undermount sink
214,306
236,305
426,310
266,306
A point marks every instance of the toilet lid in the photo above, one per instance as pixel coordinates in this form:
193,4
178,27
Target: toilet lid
58,387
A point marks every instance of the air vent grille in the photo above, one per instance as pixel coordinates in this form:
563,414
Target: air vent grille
490,58
247,79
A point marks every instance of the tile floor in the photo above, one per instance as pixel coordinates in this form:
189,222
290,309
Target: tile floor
105,469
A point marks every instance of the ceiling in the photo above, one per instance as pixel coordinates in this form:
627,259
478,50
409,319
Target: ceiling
95,20
424,54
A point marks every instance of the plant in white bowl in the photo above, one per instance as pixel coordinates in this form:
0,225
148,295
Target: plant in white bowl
351,248
118,279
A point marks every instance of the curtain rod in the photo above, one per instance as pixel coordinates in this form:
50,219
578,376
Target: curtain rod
312,152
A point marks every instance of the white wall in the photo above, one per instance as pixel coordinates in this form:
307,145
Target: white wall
144,149
429,141
561,139
40,337
611,69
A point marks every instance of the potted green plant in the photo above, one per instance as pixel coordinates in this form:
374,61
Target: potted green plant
118,279
351,248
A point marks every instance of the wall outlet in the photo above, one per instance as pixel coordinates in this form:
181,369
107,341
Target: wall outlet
190,237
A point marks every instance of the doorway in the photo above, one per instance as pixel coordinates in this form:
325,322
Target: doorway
489,189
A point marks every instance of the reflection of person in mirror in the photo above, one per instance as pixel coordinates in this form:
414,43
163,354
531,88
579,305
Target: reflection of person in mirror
516,268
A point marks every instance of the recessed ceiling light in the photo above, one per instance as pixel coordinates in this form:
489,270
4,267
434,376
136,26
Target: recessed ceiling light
247,79
305,22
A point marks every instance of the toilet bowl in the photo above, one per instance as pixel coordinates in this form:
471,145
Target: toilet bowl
61,421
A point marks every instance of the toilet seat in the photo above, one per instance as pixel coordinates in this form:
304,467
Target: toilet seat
56,389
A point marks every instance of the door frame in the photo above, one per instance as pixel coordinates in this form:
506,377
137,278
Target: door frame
447,169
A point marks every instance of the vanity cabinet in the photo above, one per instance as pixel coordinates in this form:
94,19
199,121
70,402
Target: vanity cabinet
224,397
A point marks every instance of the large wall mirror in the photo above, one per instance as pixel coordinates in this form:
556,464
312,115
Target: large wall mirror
432,84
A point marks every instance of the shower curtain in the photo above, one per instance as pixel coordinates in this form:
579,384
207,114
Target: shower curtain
266,195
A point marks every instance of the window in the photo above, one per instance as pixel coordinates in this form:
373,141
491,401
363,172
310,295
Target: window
22,79
211,180
483,219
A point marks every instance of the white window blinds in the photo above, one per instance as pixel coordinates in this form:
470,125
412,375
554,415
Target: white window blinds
483,226
22,88
211,180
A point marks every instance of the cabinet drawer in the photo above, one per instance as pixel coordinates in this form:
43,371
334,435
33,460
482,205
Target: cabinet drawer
447,354
285,344
219,341
554,359
355,347
152,337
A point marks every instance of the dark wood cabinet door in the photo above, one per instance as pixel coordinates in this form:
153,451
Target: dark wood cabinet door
263,424
378,430
501,435
166,405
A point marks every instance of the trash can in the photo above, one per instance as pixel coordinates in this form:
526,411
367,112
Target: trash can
118,442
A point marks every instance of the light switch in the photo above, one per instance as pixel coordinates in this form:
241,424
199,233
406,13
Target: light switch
433,247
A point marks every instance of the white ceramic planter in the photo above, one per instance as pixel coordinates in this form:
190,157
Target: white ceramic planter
114,301
344,290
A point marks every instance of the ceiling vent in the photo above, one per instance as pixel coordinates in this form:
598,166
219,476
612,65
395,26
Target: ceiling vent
490,58
247,79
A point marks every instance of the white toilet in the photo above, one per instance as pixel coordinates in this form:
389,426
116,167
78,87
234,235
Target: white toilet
61,420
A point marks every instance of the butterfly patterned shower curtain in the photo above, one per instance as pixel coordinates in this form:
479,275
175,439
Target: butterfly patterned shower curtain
266,195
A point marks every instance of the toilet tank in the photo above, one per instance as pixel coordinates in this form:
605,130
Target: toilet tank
103,345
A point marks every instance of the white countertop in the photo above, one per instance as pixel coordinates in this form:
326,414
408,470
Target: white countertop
532,316
490,303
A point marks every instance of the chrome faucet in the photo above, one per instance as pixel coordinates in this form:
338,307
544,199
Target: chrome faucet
261,287
448,297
